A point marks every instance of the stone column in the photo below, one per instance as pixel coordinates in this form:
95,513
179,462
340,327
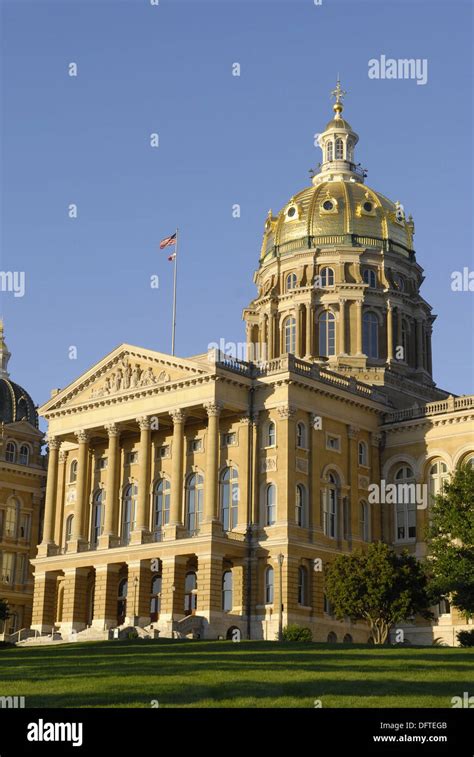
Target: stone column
264,345
172,592
375,509
429,357
50,499
209,581
79,522
352,522
176,510
389,332
111,494
309,331
298,331
271,336
143,499
213,410
105,596
399,332
286,434
419,344
59,515
342,326
359,327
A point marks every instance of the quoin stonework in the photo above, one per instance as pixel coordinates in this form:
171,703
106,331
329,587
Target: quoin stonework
202,495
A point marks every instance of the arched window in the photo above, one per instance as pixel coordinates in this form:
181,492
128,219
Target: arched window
97,517
302,586
437,476
329,150
370,278
330,497
129,511
11,519
364,521
269,585
227,591
289,335
300,505
190,593
68,529
10,452
301,435
155,599
327,334
194,502
229,498
332,638
73,472
270,435
370,332
339,149
327,277
363,454
161,504
405,512
291,281
469,461
270,505
24,456
347,639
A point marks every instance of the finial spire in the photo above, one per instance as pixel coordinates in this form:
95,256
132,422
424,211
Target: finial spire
339,94
4,353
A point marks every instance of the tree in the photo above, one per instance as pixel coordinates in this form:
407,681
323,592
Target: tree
378,586
451,541
4,613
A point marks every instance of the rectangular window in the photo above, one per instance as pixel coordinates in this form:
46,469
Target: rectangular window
8,568
21,572
230,439
333,442
164,451
101,463
25,525
132,457
195,445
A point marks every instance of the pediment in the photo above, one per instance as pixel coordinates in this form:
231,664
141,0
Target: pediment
126,371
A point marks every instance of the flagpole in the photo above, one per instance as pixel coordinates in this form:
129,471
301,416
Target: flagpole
173,331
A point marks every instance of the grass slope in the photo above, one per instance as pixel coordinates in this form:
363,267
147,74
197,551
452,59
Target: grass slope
226,674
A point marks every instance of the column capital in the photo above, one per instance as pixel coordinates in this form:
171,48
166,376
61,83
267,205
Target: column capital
112,430
389,305
213,409
82,436
352,432
359,303
375,439
248,420
178,415
62,456
286,412
53,442
143,423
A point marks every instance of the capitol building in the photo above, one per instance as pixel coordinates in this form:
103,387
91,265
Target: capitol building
204,496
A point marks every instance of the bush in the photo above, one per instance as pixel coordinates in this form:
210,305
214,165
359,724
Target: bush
466,638
297,633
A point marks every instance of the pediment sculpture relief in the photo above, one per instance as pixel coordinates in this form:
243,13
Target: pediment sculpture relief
128,376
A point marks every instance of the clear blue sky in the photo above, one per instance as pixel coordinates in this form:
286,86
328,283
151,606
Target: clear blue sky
223,140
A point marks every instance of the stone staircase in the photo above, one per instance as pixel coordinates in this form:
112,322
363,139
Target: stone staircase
190,627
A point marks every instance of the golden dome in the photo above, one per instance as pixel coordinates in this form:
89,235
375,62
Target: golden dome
337,212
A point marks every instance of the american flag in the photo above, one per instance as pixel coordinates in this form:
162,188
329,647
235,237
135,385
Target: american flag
168,241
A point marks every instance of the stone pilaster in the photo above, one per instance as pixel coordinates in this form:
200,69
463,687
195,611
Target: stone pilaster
176,503
44,601
105,596
50,499
389,332
75,600
213,410
139,591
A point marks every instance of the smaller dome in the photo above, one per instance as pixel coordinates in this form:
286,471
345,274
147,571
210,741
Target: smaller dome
338,123
16,404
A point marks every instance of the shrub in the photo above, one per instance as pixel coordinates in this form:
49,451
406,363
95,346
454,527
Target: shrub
466,638
297,633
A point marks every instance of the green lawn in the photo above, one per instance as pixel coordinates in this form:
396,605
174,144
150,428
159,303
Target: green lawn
226,674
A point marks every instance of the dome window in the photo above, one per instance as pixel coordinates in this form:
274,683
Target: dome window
327,277
292,212
368,207
339,149
399,282
290,281
329,151
328,205
370,278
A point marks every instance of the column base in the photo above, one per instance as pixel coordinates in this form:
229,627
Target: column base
140,536
108,541
174,531
211,528
76,545
103,624
47,550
